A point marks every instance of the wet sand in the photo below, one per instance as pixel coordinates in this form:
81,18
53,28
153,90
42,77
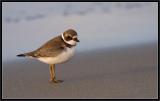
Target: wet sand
128,72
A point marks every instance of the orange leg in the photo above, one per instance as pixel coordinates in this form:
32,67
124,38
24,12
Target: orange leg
52,74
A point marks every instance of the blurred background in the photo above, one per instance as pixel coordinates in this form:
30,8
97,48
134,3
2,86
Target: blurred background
26,26
117,56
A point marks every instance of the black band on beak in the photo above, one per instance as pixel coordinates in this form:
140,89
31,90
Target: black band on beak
75,39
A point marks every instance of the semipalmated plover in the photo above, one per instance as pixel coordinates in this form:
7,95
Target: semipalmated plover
55,51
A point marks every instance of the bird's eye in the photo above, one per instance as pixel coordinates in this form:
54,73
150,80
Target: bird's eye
69,38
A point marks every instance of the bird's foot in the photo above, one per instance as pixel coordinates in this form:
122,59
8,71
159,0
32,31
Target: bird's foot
56,81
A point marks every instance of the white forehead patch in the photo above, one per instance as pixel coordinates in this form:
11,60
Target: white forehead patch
74,36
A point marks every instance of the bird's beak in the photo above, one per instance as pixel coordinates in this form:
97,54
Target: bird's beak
76,39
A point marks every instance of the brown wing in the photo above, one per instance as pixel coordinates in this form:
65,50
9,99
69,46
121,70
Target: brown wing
50,49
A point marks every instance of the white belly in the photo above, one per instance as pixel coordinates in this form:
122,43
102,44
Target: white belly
64,56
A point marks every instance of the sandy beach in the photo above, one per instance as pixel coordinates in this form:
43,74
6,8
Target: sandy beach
117,57
126,72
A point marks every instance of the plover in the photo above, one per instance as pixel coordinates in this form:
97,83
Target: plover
57,50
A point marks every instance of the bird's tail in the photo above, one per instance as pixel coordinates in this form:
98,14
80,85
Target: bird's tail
30,54
21,55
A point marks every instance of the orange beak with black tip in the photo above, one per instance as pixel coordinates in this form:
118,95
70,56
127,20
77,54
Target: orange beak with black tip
76,39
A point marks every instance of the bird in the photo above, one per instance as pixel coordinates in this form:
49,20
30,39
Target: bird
58,50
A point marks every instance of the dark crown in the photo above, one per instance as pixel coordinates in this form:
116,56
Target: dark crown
70,32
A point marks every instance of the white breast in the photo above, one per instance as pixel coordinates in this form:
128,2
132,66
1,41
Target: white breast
64,56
